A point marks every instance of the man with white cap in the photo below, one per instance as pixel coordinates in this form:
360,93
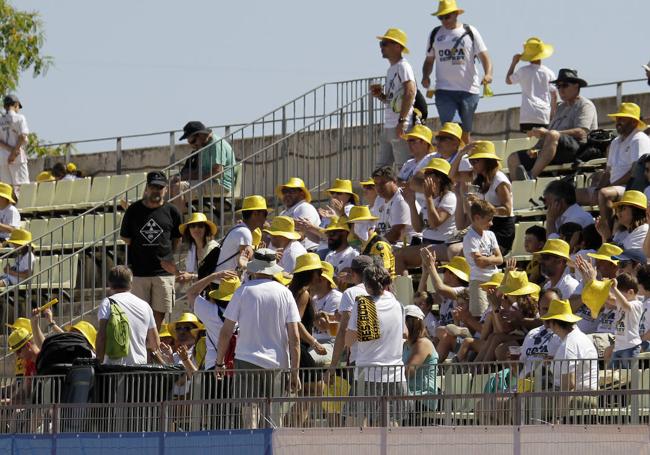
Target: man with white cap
13,139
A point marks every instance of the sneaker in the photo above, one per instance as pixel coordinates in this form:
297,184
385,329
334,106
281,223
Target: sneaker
521,174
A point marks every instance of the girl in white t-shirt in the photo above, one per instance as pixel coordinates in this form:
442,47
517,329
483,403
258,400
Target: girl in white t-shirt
631,217
198,233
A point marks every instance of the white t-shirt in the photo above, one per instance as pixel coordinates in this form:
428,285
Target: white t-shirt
9,216
411,167
208,313
536,88
141,320
540,343
627,326
192,262
457,59
444,231
263,308
396,76
633,240
347,302
329,304
606,321
290,254
387,349
238,236
484,244
341,260
23,263
447,306
644,320
431,323
577,346
567,285
574,214
12,126
304,209
491,196
393,212
623,153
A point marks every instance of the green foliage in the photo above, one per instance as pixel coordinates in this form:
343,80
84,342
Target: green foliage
36,148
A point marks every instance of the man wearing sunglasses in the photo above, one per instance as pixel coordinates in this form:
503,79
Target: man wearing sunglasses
575,117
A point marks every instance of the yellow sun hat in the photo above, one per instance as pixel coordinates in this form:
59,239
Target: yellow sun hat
257,237
369,182
45,176
421,132
560,310
344,186
536,49
18,338
360,213
71,167
283,226
630,110
197,218
294,182
556,247
86,329
459,267
605,253
438,164
634,198
446,7
253,203
20,237
452,129
307,261
595,294
185,317
483,149
338,224
516,283
6,191
22,323
226,289
495,280
396,35
164,332
283,278
328,272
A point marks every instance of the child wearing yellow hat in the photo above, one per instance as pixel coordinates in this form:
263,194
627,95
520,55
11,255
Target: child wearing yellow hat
21,269
9,215
627,342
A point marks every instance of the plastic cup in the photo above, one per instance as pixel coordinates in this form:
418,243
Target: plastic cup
333,328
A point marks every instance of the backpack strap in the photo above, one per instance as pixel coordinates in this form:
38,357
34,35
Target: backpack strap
220,245
432,37
371,243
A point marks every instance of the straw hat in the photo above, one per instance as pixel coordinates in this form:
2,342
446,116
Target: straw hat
634,198
344,186
338,224
536,49
253,203
20,237
6,191
556,247
438,164
86,329
516,283
360,213
396,35
630,110
294,182
45,176
18,338
459,267
605,253
264,262
22,323
164,332
446,7
226,289
595,294
283,226
185,317
197,218
328,272
483,149
560,310
307,261
451,129
494,281
421,132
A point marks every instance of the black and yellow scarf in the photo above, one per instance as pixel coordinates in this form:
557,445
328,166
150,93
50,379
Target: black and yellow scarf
367,321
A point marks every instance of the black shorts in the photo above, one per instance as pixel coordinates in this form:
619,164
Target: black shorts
526,127
567,148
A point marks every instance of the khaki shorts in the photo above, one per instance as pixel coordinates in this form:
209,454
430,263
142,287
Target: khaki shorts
478,301
158,291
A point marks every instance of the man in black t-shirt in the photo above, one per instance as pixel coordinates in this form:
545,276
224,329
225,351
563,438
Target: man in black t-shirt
150,228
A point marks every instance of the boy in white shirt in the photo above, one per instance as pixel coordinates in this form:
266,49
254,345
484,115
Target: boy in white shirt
643,277
13,139
482,253
627,344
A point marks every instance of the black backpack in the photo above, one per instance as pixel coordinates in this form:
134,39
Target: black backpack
420,108
211,261
434,32
62,349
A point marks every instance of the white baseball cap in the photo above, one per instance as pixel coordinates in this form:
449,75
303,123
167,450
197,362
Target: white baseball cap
413,311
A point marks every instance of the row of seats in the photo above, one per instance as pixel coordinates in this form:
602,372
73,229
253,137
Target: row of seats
504,148
53,272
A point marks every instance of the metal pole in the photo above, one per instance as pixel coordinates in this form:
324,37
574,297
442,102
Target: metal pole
118,150
619,93
172,148
285,150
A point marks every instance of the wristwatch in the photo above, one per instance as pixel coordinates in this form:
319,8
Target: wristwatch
401,120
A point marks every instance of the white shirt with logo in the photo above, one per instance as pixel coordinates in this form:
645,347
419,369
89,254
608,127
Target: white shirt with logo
485,244
393,212
539,344
627,326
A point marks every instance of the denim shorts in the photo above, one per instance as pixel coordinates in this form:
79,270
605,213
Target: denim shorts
450,102
619,357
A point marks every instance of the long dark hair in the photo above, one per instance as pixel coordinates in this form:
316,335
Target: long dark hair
638,218
207,235
416,329
298,285
484,181
446,184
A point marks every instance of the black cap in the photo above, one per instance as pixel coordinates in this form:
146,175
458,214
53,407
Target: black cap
192,128
360,263
571,76
12,99
156,178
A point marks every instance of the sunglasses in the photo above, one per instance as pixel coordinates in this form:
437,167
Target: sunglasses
384,43
183,328
563,85
445,17
414,141
290,190
443,138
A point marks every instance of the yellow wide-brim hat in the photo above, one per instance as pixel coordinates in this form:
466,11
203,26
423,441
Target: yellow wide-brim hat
294,182
438,164
536,49
197,218
283,226
452,129
164,331
22,323
483,149
283,278
20,237
605,253
630,110
71,167
255,202
631,197
86,329
516,283
328,272
6,191
45,176
556,247
595,294
369,182
18,338
495,280
185,317
421,132
360,213
459,267
307,261
397,35
226,289
338,224
344,186
446,7
561,311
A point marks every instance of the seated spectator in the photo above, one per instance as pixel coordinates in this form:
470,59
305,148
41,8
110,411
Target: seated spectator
576,116
23,266
165,336
554,265
643,277
198,233
9,215
369,194
538,95
72,172
285,241
570,232
372,244
181,330
560,202
296,199
587,241
420,148
534,239
59,171
424,301
394,215
340,253
420,359
631,217
45,176
25,323
326,300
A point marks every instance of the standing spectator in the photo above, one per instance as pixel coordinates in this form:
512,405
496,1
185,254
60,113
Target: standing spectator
198,232
21,241
13,139
576,116
394,214
398,96
297,202
421,149
285,241
150,229
340,253
455,47
562,207
142,325
554,264
538,95
9,215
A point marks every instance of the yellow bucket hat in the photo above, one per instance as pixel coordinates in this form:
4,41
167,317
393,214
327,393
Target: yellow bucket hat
20,237
283,278
595,294
226,289
368,182
396,35
197,218
561,311
536,49
631,197
423,133
307,261
283,226
257,237
459,267
605,253
71,167
360,213
495,280
18,338
516,283
254,203
86,329
6,191
164,331
338,224
451,129
45,176
438,164
22,323
328,272
185,317
294,182
483,149
446,7
630,110
344,186
556,247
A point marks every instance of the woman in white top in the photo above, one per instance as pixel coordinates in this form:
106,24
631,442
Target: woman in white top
198,233
631,217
